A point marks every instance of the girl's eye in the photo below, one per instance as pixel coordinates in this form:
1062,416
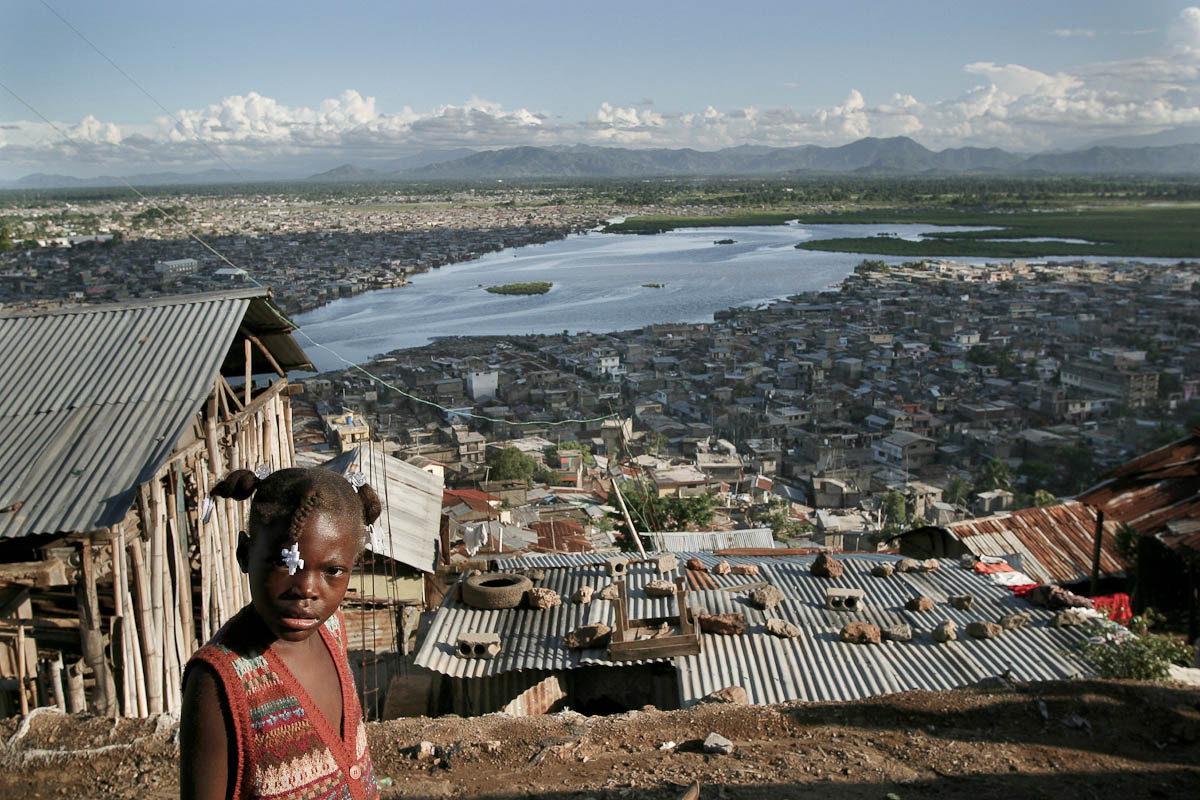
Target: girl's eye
335,572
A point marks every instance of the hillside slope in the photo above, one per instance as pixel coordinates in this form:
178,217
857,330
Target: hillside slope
1082,739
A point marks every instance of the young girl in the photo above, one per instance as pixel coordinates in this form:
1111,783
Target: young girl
269,706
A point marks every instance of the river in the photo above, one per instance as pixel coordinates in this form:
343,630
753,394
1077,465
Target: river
598,286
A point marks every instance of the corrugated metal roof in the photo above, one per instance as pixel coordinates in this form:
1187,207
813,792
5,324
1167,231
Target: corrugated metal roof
407,530
1055,542
533,639
96,398
814,666
818,666
707,541
1159,487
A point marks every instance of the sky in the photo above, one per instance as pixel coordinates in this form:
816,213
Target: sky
139,87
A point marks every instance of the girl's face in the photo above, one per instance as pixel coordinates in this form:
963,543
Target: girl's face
293,606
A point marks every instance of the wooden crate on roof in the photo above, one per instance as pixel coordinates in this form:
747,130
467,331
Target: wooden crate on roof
636,639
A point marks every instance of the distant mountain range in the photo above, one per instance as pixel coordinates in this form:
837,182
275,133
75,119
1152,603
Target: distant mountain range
895,156
1161,154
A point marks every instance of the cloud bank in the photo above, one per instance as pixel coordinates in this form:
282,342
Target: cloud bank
1009,105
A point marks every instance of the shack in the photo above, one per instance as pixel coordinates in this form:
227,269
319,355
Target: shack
115,422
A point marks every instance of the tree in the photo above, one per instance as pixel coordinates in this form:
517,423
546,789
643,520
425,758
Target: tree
653,513
510,464
777,518
654,442
995,475
895,512
1043,498
6,242
957,491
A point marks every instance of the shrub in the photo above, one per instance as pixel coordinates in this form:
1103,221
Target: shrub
1139,658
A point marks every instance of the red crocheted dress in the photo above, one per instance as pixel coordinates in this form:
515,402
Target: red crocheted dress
286,749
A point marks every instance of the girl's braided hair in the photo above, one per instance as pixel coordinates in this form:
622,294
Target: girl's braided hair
288,496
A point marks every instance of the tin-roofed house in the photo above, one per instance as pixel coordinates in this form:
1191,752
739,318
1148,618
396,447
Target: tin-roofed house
1157,495
114,423
514,659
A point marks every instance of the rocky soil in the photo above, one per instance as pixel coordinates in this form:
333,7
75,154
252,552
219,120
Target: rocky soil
1081,739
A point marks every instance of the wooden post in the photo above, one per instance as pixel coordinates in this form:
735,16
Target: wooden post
21,687
628,519
249,369
1096,553
76,699
122,623
52,676
151,636
91,640
287,431
136,664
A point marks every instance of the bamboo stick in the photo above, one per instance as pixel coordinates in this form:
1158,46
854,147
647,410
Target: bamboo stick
52,670
287,430
21,670
89,632
135,636
151,659
270,436
187,610
249,370
204,548
173,607
121,623
157,570
76,699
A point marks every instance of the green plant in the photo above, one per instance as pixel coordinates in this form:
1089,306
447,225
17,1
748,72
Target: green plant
1140,658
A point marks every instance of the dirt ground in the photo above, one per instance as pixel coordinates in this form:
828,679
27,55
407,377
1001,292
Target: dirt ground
1081,739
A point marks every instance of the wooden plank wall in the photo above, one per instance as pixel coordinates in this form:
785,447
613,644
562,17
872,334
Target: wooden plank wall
174,576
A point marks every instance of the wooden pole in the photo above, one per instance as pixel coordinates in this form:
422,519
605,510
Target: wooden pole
249,369
52,674
147,588
21,670
287,430
135,636
628,519
122,623
91,640
1095,587
76,699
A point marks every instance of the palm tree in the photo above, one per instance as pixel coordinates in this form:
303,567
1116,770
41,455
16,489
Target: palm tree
995,475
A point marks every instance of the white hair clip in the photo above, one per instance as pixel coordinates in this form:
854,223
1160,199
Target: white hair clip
357,480
292,559
263,471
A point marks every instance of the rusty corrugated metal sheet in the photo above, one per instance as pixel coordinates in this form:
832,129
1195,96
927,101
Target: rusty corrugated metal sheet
537,699
1160,487
1055,542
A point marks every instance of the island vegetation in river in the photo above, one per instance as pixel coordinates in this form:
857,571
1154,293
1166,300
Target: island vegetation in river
529,287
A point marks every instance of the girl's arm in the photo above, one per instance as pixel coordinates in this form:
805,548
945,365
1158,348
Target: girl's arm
204,739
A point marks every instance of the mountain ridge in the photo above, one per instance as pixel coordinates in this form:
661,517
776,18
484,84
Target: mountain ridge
894,156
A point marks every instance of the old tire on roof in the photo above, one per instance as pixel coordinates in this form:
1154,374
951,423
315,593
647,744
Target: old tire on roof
495,590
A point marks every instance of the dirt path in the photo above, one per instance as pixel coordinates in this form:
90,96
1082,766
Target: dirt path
1086,739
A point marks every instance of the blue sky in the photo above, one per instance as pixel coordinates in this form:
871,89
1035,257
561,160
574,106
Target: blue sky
274,85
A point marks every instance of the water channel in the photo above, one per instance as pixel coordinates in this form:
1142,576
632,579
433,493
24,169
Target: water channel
598,286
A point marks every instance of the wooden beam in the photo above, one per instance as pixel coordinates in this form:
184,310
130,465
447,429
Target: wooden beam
91,639
232,395
249,370
263,349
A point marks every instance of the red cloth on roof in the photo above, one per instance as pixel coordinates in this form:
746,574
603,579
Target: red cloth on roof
1021,591
990,569
1116,606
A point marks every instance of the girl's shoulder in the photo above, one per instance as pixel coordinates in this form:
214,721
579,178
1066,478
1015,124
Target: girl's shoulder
336,625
